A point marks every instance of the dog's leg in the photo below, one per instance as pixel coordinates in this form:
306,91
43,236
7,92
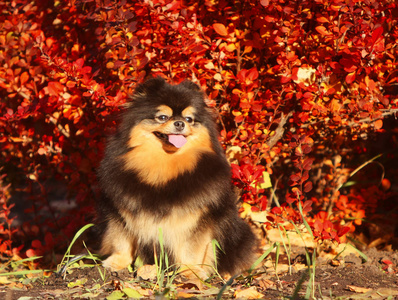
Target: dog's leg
119,245
197,255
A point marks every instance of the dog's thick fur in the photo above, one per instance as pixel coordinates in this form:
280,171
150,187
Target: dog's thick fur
182,186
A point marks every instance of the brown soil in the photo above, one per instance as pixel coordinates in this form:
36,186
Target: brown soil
347,278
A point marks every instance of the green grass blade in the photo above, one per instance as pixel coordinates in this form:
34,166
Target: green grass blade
309,288
288,251
363,255
261,258
299,285
77,235
215,244
23,272
27,259
224,287
313,273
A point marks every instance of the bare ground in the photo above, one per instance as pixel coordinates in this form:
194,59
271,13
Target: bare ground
348,277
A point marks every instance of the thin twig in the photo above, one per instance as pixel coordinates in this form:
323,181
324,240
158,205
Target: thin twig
279,131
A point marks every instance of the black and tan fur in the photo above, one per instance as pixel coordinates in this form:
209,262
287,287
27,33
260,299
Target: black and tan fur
149,183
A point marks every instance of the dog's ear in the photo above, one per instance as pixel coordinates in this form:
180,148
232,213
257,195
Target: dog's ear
150,85
190,85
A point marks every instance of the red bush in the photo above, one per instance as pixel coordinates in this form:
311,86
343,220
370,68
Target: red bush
280,74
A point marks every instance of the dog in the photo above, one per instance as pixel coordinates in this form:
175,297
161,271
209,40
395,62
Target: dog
164,168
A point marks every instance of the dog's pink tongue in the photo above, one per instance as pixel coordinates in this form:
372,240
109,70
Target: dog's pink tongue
178,140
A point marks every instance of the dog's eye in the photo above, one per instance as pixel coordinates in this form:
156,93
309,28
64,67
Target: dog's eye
189,120
162,118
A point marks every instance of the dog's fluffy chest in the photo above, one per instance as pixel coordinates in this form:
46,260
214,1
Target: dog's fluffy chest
175,225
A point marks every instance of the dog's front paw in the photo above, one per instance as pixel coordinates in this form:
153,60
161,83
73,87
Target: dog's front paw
117,262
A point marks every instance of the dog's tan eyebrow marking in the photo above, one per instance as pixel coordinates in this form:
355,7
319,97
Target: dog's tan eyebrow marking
164,110
188,112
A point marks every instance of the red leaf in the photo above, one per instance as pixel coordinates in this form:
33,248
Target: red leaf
298,151
308,186
79,63
387,262
307,204
276,210
348,64
236,172
37,244
295,177
285,79
30,253
54,87
376,34
318,225
343,230
220,29
270,218
350,78
290,198
327,225
252,74
308,163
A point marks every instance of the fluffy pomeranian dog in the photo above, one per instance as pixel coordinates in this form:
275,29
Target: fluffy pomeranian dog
165,169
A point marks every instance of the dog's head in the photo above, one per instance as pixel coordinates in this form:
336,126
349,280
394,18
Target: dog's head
173,117
169,127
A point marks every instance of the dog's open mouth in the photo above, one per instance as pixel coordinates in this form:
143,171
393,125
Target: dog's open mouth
177,140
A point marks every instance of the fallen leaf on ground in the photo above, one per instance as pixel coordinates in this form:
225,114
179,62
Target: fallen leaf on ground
79,282
298,267
378,294
116,295
186,293
137,288
357,289
187,286
265,283
147,272
249,293
131,293
4,280
335,262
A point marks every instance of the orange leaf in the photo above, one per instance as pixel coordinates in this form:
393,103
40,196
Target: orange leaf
357,289
70,84
322,20
322,30
250,293
385,184
220,29
378,124
24,77
231,47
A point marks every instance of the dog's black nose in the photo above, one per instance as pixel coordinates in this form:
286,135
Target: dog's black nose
179,125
